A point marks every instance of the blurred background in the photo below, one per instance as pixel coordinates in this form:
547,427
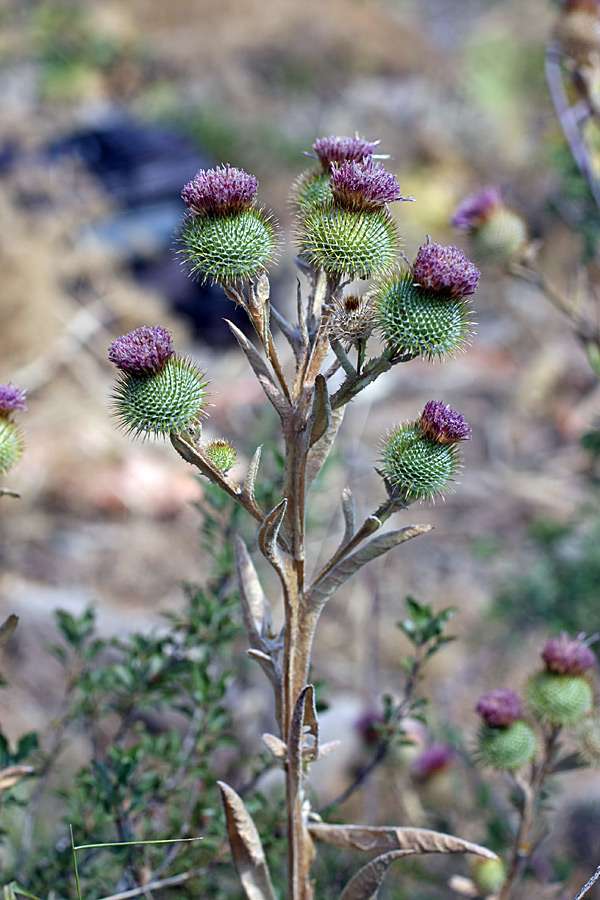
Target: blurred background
107,108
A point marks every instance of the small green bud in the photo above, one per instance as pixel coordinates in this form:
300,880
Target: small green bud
348,242
172,399
507,748
559,699
221,454
498,234
11,444
419,322
489,875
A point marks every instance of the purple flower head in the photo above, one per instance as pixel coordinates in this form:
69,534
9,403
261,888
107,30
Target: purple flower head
144,351
568,656
222,191
432,760
499,708
363,185
445,271
476,209
337,149
11,399
369,726
442,424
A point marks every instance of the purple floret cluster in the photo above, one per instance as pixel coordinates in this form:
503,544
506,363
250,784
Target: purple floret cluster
336,149
434,759
11,399
363,185
568,656
144,351
499,708
476,209
220,192
442,424
445,271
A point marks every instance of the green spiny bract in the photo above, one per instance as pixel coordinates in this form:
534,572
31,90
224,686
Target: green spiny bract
415,467
171,400
347,242
559,699
221,454
310,190
229,249
416,322
11,444
507,749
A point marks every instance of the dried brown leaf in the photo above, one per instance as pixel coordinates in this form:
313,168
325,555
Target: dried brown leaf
320,450
250,480
367,881
347,567
246,848
382,838
12,774
259,367
303,721
321,411
7,628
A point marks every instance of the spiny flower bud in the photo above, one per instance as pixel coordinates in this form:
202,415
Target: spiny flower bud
11,444
497,233
559,699
11,438
499,708
507,749
445,271
351,319
157,392
489,875
568,656
11,400
221,454
226,239
363,186
144,351
336,149
415,463
417,322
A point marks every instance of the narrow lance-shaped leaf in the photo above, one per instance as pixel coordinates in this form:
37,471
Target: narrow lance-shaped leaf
304,717
255,608
367,881
349,511
13,774
268,535
345,569
381,838
321,411
259,367
7,628
246,848
320,450
250,480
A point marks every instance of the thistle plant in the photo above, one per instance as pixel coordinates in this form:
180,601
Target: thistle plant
12,400
344,231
